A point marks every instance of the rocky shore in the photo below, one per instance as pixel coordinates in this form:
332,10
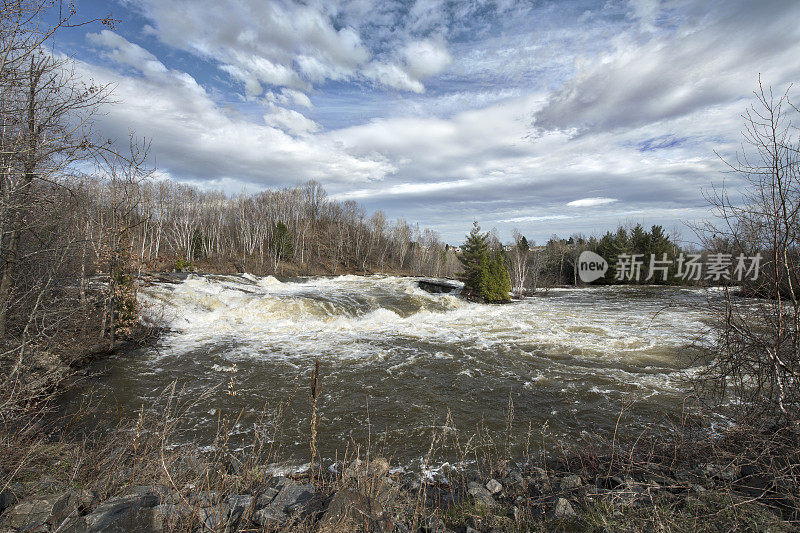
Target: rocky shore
368,496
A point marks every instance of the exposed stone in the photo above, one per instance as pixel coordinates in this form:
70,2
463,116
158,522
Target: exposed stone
570,482
269,517
214,518
727,472
7,499
74,524
494,486
274,487
481,494
166,514
238,505
130,512
515,478
434,525
34,513
293,497
377,467
189,465
563,509
350,510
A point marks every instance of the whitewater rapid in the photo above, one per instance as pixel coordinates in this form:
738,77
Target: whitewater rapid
402,360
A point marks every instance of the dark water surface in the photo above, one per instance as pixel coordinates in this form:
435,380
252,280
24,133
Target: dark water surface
395,360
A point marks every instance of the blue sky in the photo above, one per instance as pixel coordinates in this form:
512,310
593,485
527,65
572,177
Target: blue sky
546,116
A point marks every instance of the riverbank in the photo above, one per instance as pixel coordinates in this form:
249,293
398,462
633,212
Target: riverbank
706,485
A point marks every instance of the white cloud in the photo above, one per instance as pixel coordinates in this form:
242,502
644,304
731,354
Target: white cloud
591,202
120,50
291,44
195,139
681,70
290,121
391,75
426,58
535,218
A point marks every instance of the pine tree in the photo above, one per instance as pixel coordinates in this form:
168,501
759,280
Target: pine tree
484,275
473,258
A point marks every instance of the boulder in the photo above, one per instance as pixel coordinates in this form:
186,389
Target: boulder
293,497
563,509
609,482
494,486
270,518
351,510
238,505
133,511
7,499
481,494
514,478
41,512
378,467
188,466
570,482
724,472
274,487
279,501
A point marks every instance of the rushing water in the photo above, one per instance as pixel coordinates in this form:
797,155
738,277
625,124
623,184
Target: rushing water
395,359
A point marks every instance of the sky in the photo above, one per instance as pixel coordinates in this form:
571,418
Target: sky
552,117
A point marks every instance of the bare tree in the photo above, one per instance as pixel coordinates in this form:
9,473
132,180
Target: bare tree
757,350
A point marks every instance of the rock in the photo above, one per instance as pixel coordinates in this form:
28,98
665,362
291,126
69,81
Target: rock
274,487
130,512
293,497
75,524
515,478
351,510
432,524
165,515
563,509
727,472
238,505
494,486
215,518
470,530
698,489
378,467
35,513
609,482
570,482
188,465
7,499
270,518
234,465
281,500
481,494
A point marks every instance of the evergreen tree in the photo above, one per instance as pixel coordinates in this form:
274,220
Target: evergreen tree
282,242
484,275
472,258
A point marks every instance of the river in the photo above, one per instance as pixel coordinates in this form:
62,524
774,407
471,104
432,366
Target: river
400,365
